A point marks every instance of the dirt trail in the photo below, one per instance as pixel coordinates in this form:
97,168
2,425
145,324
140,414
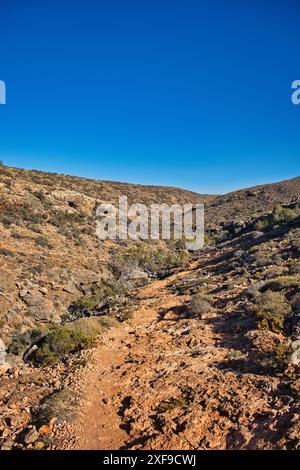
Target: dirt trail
156,383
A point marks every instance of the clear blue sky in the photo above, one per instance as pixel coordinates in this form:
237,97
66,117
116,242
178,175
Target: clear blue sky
188,93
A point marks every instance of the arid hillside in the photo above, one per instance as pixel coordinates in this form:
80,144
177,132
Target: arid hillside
251,203
48,249
173,349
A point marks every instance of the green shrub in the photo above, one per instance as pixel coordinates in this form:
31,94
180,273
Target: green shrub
282,282
23,341
274,361
209,240
172,403
6,252
90,305
43,242
220,236
152,260
62,340
270,309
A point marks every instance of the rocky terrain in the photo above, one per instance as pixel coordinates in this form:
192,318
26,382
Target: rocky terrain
143,345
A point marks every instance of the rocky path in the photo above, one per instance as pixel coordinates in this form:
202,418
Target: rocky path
160,383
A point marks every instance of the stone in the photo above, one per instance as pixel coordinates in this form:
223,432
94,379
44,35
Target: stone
33,299
45,429
39,445
2,352
4,368
296,345
70,288
256,234
295,357
87,277
239,253
23,292
42,312
31,436
43,290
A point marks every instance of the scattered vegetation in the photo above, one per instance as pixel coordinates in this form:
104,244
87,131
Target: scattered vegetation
155,261
279,215
19,215
94,304
59,219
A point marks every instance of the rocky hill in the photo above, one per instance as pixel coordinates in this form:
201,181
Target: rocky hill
250,203
222,369
49,251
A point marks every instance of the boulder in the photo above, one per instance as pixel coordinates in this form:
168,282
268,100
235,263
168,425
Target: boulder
33,298
42,312
87,277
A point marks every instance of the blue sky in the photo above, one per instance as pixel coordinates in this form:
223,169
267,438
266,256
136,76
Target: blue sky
195,94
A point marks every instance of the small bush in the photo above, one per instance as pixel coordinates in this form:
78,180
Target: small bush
295,267
62,340
220,236
23,341
43,242
8,183
295,302
172,403
83,307
274,361
296,245
6,252
60,405
63,218
91,305
282,282
261,258
199,304
17,236
270,309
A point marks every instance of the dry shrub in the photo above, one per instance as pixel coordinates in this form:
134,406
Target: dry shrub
199,304
270,309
